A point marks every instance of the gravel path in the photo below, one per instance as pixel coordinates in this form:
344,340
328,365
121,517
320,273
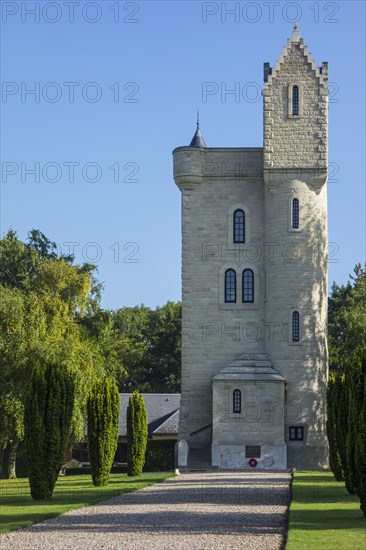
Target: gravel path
200,511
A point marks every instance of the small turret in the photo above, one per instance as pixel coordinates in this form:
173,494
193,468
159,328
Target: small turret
188,161
197,140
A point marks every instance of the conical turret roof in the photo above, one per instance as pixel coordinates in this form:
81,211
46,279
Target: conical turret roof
197,140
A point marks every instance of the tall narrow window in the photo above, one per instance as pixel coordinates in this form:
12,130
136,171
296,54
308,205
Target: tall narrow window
230,286
295,214
295,100
295,326
237,401
239,226
248,285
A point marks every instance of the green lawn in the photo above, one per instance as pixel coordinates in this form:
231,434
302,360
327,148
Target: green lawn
18,509
323,516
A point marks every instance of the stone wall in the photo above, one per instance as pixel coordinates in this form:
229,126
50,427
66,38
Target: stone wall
295,166
290,264
214,333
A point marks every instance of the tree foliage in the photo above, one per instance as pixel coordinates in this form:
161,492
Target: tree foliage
48,412
103,422
334,454
150,350
43,296
360,452
347,320
347,384
50,313
137,432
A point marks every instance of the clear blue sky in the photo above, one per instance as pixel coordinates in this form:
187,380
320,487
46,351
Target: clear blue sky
157,58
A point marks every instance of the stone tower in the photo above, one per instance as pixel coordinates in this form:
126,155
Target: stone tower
254,282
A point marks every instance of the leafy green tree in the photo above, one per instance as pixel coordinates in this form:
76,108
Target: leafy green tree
12,372
98,325
346,403
165,353
347,320
42,299
11,429
103,422
137,432
48,412
132,327
150,347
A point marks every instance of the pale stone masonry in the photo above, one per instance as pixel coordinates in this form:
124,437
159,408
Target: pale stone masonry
254,282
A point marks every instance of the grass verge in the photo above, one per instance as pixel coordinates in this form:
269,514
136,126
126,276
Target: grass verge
323,515
18,509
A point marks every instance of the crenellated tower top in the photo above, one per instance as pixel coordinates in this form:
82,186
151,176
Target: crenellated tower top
295,109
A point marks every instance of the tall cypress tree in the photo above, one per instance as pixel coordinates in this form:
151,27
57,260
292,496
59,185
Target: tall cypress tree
332,404
137,432
360,451
355,383
341,419
103,423
48,412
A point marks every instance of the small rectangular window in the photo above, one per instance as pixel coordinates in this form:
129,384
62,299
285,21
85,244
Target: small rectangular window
296,433
252,451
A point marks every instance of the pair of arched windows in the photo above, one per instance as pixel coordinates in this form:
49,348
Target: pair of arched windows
247,286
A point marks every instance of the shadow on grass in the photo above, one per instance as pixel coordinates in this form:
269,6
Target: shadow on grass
316,478
335,519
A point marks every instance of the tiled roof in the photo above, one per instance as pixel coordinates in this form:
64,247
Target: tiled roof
162,413
170,426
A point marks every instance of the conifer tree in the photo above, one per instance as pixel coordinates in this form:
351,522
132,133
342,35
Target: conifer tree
137,432
103,423
48,413
360,453
341,414
355,390
334,455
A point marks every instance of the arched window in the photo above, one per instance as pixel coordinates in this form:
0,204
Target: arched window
230,286
295,326
237,401
248,285
295,100
239,226
295,214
